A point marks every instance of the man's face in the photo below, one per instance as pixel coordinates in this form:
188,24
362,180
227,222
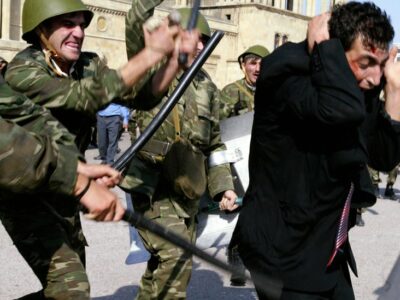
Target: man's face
201,43
367,63
66,34
251,68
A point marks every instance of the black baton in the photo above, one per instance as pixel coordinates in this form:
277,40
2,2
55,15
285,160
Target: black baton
183,57
270,286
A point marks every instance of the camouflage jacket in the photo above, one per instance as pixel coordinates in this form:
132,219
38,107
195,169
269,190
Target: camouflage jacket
73,100
34,156
139,12
236,99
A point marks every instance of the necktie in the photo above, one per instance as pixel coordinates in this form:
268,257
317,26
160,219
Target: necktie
341,235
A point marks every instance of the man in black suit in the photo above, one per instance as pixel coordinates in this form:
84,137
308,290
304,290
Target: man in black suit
318,122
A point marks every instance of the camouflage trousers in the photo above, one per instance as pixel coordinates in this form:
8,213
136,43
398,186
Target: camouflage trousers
169,268
58,263
391,179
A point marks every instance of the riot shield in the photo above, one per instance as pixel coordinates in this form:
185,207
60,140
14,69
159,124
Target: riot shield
215,228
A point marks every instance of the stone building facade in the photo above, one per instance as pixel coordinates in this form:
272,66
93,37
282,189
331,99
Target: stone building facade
245,22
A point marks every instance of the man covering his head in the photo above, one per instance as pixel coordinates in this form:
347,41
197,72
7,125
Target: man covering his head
318,122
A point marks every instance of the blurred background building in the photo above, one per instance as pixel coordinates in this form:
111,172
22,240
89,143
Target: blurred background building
245,22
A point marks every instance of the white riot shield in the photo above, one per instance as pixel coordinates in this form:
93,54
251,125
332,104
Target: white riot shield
236,134
215,228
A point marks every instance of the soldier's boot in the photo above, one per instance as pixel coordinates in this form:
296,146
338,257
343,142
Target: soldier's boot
389,192
359,220
238,277
376,190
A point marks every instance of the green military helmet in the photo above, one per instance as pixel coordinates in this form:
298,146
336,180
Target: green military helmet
36,11
202,24
258,50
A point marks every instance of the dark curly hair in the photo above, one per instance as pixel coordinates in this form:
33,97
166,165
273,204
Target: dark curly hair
353,19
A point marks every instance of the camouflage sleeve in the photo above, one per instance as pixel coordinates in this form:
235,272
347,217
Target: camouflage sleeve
229,96
87,95
29,162
43,151
219,177
140,11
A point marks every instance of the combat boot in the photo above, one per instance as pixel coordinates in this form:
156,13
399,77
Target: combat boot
238,277
376,190
389,192
359,220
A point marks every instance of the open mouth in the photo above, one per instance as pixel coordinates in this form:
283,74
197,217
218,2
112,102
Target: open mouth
73,46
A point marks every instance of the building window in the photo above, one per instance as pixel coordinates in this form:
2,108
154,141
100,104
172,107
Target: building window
228,17
289,5
15,16
277,40
280,39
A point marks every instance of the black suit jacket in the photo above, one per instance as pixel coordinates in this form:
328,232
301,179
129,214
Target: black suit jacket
314,131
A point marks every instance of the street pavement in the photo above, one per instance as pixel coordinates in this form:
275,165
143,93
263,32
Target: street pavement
112,275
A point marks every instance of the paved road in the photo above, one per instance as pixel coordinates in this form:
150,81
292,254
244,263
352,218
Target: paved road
376,247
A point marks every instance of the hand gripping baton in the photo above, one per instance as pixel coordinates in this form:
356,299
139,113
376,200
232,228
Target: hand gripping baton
183,57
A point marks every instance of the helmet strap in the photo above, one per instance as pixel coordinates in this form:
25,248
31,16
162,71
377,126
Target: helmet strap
51,55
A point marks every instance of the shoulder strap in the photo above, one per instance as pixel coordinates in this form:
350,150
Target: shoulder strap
250,108
177,125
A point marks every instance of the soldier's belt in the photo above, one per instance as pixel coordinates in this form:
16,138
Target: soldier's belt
223,157
157,147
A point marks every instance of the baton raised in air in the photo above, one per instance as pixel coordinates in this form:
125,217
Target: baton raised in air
184,82
183,57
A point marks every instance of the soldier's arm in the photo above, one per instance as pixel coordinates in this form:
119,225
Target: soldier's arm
138,14
32,78
29,161
42,155
140,11
155,82
219,177
228,98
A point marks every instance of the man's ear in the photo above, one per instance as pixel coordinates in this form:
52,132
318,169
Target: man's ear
242,64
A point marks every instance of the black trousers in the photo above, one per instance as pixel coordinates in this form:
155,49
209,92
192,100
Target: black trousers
343,289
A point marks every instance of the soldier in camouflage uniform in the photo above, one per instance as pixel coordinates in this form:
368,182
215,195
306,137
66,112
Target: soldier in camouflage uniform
390,181
238,97
196,120
41,161
54,73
